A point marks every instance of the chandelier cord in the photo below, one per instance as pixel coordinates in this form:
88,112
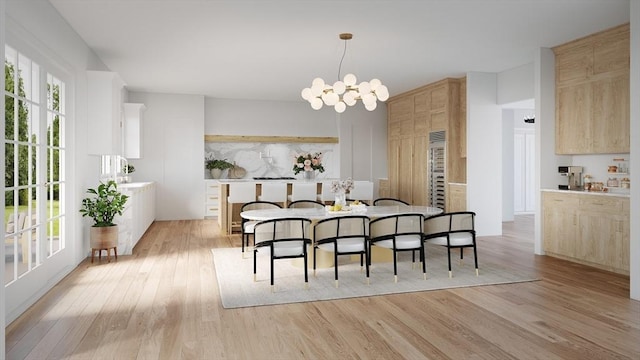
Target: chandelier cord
342,58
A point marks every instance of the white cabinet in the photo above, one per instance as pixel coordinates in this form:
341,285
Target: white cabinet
104,113
133,115
139,214
212,196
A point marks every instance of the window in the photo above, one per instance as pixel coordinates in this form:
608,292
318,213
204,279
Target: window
34,164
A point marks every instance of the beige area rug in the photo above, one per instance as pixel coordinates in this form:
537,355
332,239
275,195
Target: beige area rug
237,288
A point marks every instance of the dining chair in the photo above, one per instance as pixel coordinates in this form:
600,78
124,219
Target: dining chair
306,204
239,193
248,225
326,195
389,202
284,238
343,235
401,232
362,190
273,191
304,191
452,230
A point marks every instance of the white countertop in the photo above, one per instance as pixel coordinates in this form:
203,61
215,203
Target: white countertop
619,192
134,185
288,181
316,214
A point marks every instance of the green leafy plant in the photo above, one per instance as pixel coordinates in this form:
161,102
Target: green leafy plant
106,203
218,164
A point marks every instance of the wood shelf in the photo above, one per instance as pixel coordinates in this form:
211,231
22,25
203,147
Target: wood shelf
272,139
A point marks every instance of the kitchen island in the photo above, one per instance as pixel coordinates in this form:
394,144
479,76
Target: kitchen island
226,217
590,228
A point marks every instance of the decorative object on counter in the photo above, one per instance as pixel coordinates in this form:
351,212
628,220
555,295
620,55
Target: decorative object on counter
106,203
340,189
216,166
622,165
127,170
308,163
612,169
346,92
612,182
587,182
625,183
237,172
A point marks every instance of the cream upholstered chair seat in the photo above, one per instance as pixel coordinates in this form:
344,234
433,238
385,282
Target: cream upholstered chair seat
346,245
455,239
402,242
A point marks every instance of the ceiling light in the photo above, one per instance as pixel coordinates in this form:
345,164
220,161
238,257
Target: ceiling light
345,92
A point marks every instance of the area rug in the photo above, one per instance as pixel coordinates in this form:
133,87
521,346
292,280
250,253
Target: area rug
237,288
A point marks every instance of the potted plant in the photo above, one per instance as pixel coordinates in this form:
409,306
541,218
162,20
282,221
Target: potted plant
216,166
102,207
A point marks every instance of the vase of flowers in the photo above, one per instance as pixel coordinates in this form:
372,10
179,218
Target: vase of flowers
340,189
308,163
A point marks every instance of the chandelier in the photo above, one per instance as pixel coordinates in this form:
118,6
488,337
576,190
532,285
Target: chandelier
346,92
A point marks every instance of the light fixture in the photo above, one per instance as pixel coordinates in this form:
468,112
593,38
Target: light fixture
346,92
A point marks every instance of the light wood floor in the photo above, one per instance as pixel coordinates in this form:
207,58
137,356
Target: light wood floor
162,302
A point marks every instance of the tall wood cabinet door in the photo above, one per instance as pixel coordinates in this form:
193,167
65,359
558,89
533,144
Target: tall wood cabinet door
420,154
462,139
559,223
601,239
610,123
574,62
611,51
405,169
394,166
573,114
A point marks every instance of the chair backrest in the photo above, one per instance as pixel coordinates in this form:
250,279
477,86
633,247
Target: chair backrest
362,190
325,193
341,227
275,191
441,224
306,204
282,230
242,192
394,225
389,202
260,205
304,191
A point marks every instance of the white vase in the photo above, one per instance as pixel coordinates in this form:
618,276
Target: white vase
216,173
309,175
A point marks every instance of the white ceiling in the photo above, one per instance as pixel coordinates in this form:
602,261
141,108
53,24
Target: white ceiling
271,50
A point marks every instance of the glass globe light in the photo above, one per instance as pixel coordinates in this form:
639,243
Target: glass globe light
368,99
330,98
340,107
364,87
317,82
316,90
339,87
349,98
371,106
374,84
350,80
316,103
382,93
306,94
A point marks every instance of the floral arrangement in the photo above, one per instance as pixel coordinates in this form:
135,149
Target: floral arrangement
307,162
342,186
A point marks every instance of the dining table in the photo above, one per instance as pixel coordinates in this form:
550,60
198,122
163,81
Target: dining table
325,259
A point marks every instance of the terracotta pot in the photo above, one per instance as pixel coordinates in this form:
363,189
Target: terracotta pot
103,237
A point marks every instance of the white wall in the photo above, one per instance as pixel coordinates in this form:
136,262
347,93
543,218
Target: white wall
635,149
516,84
173,153
484,153
507,164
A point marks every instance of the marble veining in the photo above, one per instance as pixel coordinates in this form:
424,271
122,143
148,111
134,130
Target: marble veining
272,160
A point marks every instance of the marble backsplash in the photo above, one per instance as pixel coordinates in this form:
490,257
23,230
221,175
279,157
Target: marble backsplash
272,160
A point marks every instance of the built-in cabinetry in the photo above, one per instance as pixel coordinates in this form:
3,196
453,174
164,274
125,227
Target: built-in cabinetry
586,228
457,200
411,117
592,94
138,215
133,116
105,92
212,198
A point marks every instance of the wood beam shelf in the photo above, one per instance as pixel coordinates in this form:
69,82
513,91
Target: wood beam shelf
272,139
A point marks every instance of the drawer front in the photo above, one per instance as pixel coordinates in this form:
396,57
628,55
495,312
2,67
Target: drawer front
212,189
212,200
602,203
211,211
559,199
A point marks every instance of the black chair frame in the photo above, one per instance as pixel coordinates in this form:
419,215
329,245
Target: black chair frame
245,236
449,232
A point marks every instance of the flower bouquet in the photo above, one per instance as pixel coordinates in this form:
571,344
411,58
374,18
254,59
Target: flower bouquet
307,162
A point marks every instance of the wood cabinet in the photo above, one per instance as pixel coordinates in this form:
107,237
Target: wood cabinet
412,116
132,134
592,94
590,229
212,198
104,112
457,200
